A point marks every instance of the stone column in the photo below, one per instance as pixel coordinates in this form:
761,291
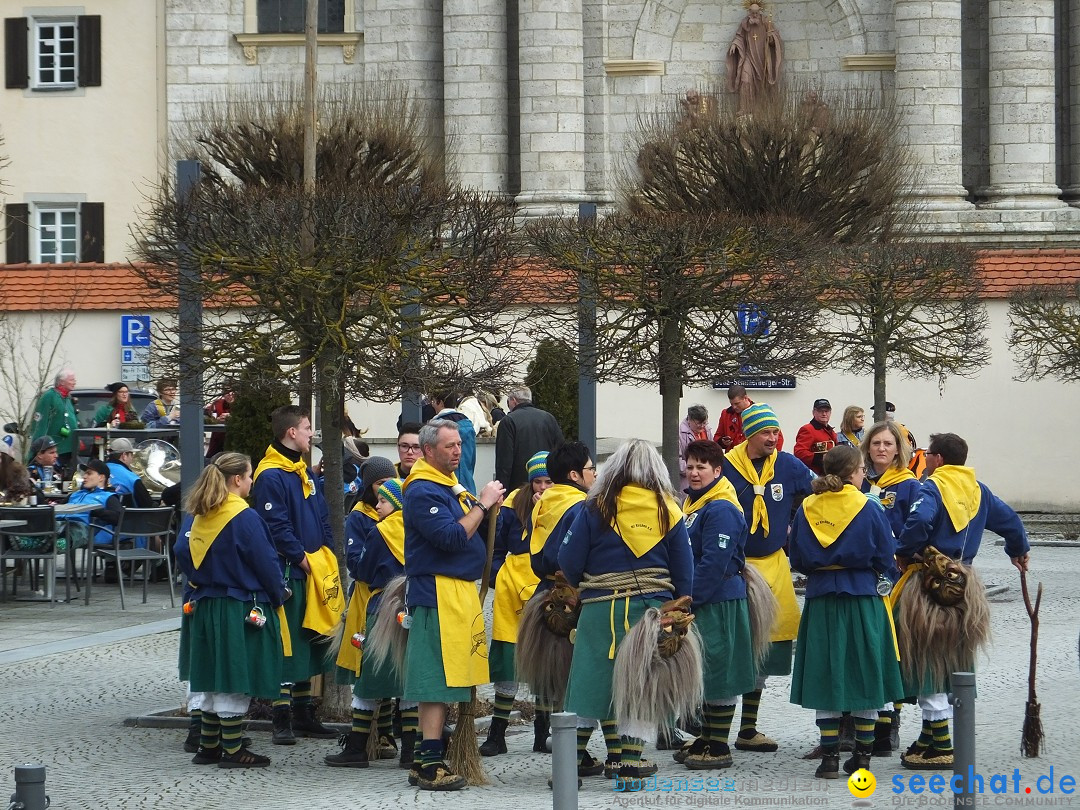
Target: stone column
552,105
474,91
1072,192
929,88
1022,160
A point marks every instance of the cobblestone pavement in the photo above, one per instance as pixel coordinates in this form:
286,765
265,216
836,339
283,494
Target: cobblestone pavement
66,709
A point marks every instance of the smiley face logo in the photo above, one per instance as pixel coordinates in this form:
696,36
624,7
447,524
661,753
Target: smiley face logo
862,784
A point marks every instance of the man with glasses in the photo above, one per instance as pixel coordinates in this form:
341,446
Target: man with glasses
408,448
165,410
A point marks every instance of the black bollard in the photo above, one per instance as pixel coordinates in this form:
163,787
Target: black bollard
30,788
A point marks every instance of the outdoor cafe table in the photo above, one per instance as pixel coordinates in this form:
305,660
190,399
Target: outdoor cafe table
58,509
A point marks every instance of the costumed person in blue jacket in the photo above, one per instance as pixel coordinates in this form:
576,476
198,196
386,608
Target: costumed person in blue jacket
232,645
445,554
887,454
543,651
846,659
382,559
942,613
285,497
514,582
627,551
93,491
770,485
718,532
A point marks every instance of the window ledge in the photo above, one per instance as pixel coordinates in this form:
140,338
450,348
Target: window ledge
885,60
252,42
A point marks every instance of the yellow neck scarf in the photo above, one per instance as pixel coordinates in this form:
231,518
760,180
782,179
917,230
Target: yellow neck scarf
548,511
274,460
637,518
851,437
366,509
830,512
892,475
722,490
392,529
740,460
206,528
960,493
422,471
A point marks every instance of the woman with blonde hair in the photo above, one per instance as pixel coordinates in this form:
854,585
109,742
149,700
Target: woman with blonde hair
231,646
886,455
851,426
846,657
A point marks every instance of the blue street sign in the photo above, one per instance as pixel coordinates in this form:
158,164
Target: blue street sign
753,320
134,330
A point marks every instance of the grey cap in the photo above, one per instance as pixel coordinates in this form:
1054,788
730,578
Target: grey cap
375,469
121,446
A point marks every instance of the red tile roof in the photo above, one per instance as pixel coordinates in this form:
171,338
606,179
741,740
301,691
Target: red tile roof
117,287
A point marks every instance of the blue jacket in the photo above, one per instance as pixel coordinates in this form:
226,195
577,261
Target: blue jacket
897,500
297,524
928,524
467,465
718,541
435,543
593,546
863,550
378,565
790,484
110,514
242,562
510,538
358,528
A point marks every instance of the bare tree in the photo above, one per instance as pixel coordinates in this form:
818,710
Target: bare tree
1044,332
909,307
668,288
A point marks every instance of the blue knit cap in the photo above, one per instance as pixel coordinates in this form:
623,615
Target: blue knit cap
758,417
390,489
537,465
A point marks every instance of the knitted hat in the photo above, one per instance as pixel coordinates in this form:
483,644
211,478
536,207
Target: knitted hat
116,386
537,465
375,469
390,490
758,417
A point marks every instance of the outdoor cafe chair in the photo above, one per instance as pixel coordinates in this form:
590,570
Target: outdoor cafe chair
133,524
40,526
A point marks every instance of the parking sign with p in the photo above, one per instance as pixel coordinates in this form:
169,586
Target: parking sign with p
134,330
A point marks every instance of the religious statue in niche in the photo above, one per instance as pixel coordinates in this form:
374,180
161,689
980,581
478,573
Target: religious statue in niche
753,60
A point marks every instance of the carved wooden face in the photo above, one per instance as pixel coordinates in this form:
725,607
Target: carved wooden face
944,578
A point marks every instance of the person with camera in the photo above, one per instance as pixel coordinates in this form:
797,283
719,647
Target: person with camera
55,416
816,437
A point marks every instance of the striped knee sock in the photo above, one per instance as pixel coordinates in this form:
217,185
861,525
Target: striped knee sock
631,749
284,697
301,692
361,721
926,735
194,721
504,704
830,734
231,733
751,702
429,752
864,732
612,740
942,739
209,730
410,719
717,722
583,737
386,719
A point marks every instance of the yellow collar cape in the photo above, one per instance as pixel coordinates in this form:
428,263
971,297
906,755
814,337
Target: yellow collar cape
548,511
891,476
366,509
392,529
637,518
960,493
722,490
325,601
422,471
274,460
740,460
206,528
830,512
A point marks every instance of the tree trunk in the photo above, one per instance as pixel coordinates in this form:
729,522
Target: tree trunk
670,396
879,384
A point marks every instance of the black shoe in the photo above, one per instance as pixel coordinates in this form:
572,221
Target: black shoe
414,774
829,767
640,769
408,742
283,731
438,776
693,747
883,738
305,724
191,744
207,756
243,758
353,752
589,766
859,759
894,730
541,732
496,738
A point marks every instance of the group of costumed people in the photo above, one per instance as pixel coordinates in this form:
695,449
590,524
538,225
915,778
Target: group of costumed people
615,598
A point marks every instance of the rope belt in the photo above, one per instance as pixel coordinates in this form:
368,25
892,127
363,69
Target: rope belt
624,585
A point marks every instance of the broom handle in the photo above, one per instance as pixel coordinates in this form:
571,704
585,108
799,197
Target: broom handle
1033,613
493,519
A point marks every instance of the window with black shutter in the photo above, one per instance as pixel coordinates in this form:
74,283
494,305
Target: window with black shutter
16,56
287,16
92,232
52,53
17,232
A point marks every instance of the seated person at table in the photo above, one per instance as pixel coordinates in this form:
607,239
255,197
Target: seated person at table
124,481
117,411
163,412
93,491
15,483
44,466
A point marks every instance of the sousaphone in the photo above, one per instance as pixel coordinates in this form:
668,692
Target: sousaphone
157,463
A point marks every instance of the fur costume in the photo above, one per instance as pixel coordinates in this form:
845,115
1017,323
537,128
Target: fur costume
387,638
763,608
543,651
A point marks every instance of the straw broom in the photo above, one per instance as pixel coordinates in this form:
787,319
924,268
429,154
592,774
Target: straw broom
463,752
1032,736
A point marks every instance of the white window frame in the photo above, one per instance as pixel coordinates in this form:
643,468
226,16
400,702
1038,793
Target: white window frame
45,210
36,35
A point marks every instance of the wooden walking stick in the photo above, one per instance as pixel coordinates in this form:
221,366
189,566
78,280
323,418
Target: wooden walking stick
463,752
1032,736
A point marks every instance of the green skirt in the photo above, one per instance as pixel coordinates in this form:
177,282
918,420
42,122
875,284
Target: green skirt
425,678
501,661
777,659
377,682
311,653
727,651
845,659
226,654
588,693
